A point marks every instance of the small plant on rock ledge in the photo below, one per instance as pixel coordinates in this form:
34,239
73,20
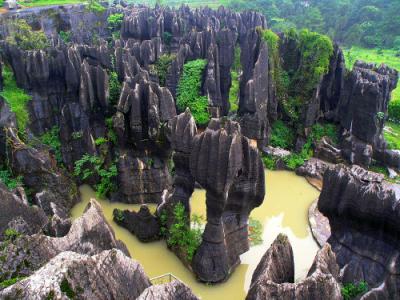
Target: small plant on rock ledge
351,291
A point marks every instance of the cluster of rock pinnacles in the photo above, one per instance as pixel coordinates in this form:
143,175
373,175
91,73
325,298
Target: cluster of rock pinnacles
69,85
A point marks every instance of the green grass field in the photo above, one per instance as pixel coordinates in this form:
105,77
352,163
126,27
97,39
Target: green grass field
387,57
392,135
36,3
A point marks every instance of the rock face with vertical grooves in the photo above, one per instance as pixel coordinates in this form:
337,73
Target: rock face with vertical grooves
107,275
176,290
274,276
231,171
363,214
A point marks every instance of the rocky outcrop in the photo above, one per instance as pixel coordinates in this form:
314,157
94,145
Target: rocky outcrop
107,275
176,290
274,276
362,110
255,88
363,214
15,209
142,223
89,234
231,171
314,170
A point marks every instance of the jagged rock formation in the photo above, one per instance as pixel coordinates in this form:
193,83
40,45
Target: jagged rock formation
362,109
363,214
107,275
15,208
231,171
274,276
41,174
175,290
89,234
142,224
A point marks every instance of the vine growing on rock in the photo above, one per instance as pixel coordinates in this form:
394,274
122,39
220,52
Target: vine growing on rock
115,88
188,92
51,139
92,165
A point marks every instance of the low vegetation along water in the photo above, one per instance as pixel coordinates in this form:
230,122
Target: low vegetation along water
284,210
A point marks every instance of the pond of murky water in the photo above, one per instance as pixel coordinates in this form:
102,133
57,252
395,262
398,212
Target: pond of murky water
284,210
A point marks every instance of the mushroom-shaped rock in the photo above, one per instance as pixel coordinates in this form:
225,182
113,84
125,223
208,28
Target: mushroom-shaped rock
230,170
107,275
274,276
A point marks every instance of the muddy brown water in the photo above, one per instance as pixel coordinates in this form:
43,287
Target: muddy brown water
284,210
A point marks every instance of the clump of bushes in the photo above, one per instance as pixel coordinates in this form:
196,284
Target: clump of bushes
351,290
9,180
189,91
162,67
115,21
51,139
187,238
115,88
22,35
281,136
92,165
235,74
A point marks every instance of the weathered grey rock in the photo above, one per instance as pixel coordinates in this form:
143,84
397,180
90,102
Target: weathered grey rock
142,224
89,234
363,214
326,151
13,209
107,275
224,163
314,169
274,276
176,290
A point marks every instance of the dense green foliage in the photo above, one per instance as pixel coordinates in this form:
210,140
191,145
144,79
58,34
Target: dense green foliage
189,91
65,36
92,165
351,291
115,21
281,136
235,74
186,238
22,35
95,7
367,23
66,289
162,67
269,162
52,139
115,88
8,179
16,98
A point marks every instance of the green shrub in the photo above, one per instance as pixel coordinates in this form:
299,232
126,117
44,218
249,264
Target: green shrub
51,138
351,291
188,93
318,131
115,21
11,234
167,38
76,135
10,181
22,35
65,36
181,235
95,7
90,165
269,162
162,67
16,98
9,282
118,215
282,136
115,88
234,90
66,289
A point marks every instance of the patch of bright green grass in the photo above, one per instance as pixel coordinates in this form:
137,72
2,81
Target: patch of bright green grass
35,3
386,56
392,135
16,98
